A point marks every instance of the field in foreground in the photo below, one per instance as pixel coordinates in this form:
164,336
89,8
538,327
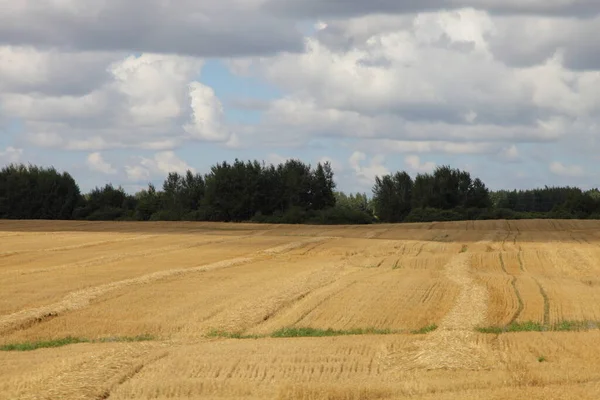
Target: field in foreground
465,310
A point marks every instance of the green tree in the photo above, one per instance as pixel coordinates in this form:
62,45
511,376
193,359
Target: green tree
323,187
478,195
106,204
392,197
31,192
148,203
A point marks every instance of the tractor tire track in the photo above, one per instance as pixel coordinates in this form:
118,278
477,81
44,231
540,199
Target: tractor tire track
303,307
453,345
513,283
131,373
546,320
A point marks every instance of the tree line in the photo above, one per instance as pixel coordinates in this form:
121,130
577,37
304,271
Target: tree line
450,194
290,192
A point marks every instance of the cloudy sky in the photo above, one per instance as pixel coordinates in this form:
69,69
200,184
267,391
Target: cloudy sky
126,91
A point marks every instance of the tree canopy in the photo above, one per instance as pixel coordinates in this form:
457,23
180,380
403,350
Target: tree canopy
290,192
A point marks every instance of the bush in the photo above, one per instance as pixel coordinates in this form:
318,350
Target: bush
107,214
295,215
197,215
260,218
165,215
560,213
531,215
433,215
341,216
81,213
499,213
330,216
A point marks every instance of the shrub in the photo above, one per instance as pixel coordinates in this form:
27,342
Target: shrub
341,216
107,214
197,215
433,215
561,214
499,213
165,215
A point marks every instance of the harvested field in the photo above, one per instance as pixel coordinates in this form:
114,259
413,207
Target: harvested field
465,310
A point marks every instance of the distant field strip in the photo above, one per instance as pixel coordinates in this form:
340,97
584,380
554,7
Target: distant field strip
125,256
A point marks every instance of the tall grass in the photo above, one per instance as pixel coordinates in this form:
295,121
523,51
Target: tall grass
531,326
29,346
231,335
425,330
42,344
292,332
312,332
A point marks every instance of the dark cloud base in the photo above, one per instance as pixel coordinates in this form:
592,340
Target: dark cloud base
349,8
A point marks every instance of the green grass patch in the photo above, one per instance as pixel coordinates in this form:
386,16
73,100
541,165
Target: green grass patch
232,335
464,248
138,338
425,330
312,332
44,344
574,326
531,326
528,326
292,332
541,359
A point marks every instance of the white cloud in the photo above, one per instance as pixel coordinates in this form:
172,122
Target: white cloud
11,155
207,115
560,169
529,40
137,173
435,147
510,153
414,164
470,117
426,77
276,159
45,139
411,66
147,103
39,107
26,69
154,86
158,166
366,173
96,163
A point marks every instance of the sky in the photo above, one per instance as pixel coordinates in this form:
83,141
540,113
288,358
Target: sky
128,91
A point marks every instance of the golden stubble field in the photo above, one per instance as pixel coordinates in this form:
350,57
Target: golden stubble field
212,296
